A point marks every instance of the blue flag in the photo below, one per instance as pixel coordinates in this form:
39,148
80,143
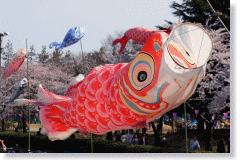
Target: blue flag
193,123
73,36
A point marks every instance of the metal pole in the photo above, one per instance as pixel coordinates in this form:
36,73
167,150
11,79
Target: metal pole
91,143
28,104
0,51
185,115
83,58
84,75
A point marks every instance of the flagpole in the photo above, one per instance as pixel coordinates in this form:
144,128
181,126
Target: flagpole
185,116
84,75
82,57
28,103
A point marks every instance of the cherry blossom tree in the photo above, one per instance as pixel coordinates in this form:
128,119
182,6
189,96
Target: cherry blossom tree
215,87
51,78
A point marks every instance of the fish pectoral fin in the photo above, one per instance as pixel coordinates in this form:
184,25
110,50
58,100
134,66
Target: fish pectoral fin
73,85
47,98
76,80
19,102
140,124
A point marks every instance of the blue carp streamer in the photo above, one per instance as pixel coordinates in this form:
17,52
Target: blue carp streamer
73,36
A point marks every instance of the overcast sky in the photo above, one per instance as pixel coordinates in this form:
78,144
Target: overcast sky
43,22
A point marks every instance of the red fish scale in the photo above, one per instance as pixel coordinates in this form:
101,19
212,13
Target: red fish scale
140,34
97,106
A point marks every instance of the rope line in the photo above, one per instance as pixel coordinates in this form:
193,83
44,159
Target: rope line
218,17
188,32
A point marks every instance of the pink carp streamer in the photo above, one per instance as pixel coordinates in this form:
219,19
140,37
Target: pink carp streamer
13,66
3,146
139,34
121,96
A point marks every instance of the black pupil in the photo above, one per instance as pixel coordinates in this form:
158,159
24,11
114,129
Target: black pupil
142,76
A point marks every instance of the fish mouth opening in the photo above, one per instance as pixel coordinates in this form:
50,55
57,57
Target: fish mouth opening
189,45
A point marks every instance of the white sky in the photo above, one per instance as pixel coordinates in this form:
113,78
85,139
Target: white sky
43,22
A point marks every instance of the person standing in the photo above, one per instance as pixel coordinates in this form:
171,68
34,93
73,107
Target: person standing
143,140
129,136
163,142
194,144
135,139
123,137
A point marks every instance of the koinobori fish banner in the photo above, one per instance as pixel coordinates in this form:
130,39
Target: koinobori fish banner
225,115
14,65
139,34
3,146
18,90
196,112
129,95
73,36
174,115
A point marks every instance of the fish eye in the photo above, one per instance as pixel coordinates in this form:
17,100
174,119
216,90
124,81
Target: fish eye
141,71
142,76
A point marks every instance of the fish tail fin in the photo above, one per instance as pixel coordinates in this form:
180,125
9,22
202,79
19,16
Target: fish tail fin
123,43
51,115
168,31
116,41
56,44
52,108
3,81
52,119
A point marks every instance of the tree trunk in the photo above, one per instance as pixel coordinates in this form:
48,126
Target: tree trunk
173,124
3,124
160,125
144,130
156,135
200,124
24,123
3,120
208,134
109,136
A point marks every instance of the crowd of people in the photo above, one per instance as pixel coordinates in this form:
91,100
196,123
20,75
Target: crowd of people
130,137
